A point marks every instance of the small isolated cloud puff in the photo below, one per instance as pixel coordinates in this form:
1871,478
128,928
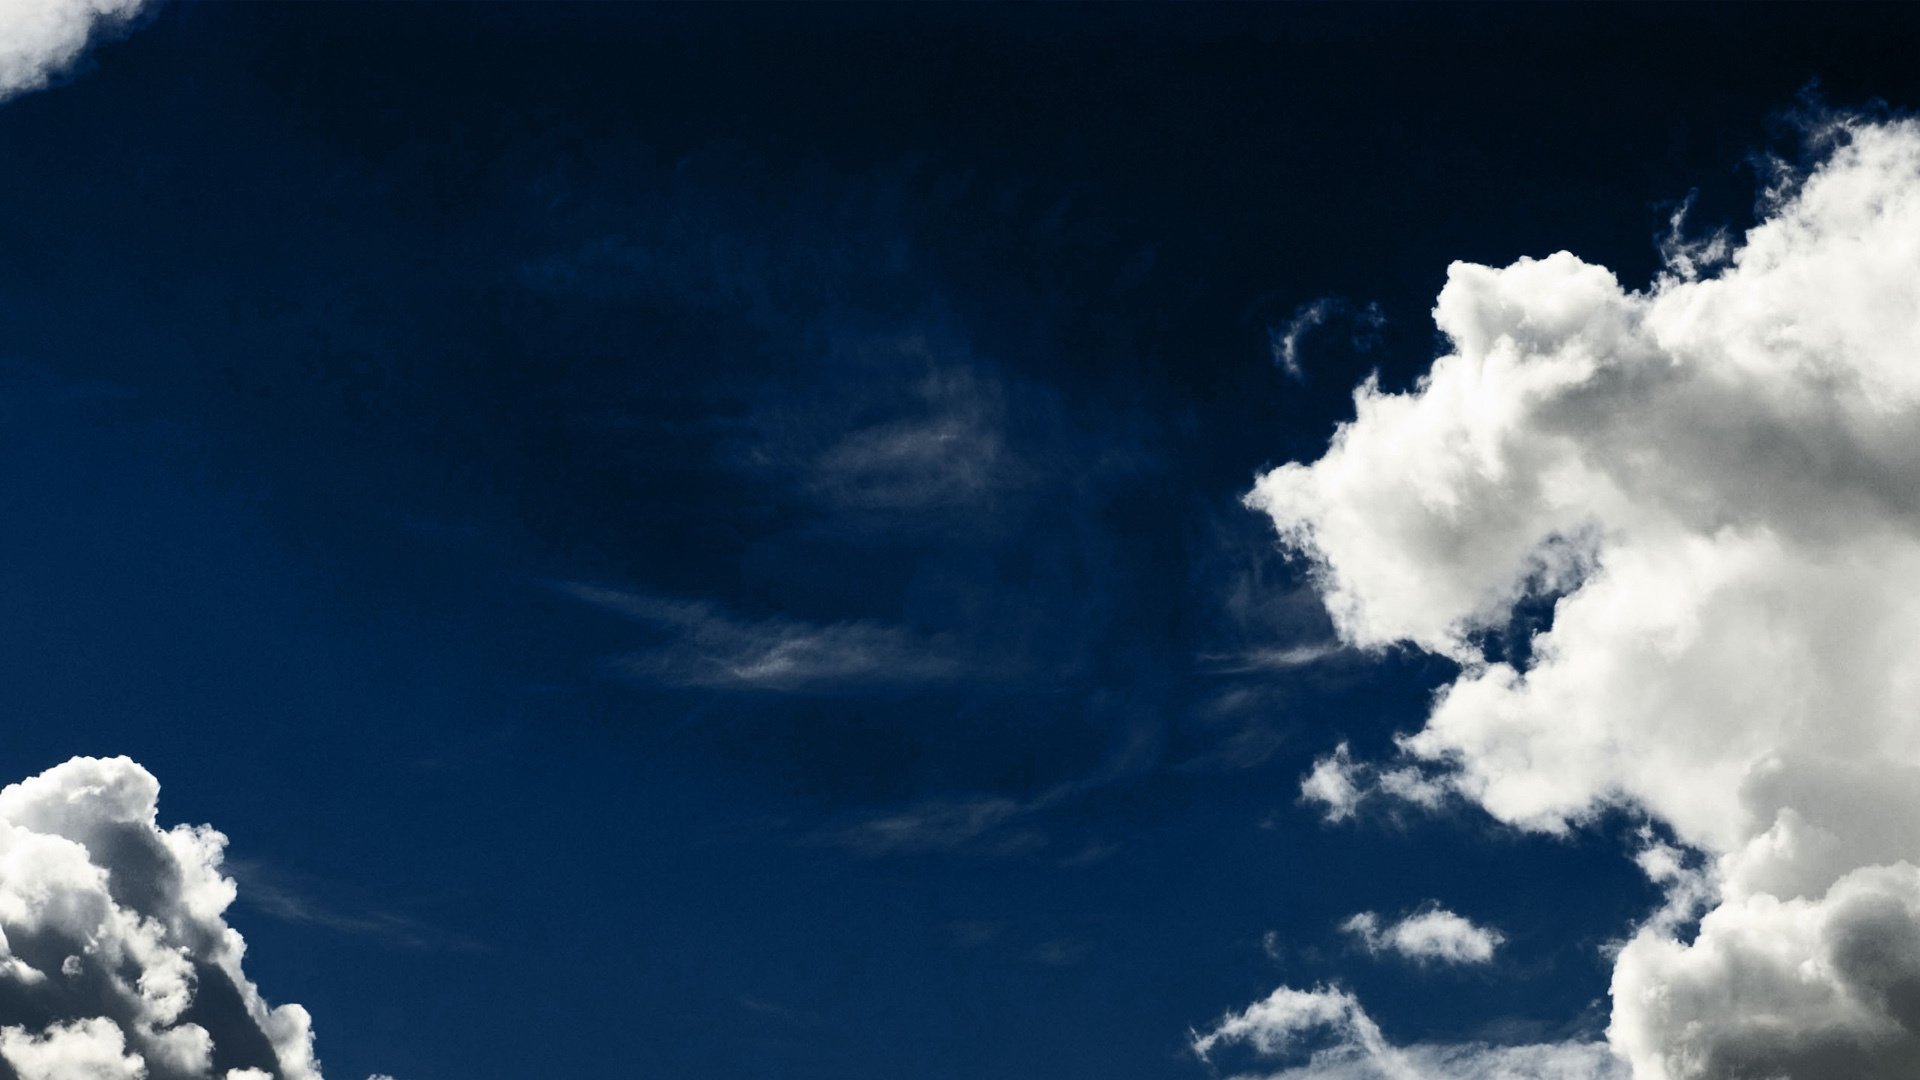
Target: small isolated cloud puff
1339,1041
41,39
1335,784
1339,784
1716,480
1435,935
115,961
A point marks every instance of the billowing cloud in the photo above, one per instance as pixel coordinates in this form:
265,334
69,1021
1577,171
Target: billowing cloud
1434,935
41,39
1341,1042
115,960
1716,481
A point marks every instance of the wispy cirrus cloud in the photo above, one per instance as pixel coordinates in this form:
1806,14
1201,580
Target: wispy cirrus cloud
710,649
271,892
943,444
991,822
1270,658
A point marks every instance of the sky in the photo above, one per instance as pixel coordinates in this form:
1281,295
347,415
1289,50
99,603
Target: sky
1328,542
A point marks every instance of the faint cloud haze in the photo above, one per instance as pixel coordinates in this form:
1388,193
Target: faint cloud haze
267,890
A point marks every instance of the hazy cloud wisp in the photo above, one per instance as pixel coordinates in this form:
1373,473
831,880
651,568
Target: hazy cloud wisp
711,649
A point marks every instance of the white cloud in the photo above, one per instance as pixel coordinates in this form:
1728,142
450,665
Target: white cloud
1339,784
90,1049
41,39
1339,1041
1720,479
1336,784
117,961
1435,935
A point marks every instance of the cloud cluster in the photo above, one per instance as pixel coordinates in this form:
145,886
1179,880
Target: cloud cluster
1716,481
1344,1043
1435,935
115,961
42,39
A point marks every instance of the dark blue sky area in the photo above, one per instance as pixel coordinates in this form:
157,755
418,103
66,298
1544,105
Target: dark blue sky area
703,541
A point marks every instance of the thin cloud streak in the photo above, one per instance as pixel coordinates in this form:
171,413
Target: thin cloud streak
264,890
713,650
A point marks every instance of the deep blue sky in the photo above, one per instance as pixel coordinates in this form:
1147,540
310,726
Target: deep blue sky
408,410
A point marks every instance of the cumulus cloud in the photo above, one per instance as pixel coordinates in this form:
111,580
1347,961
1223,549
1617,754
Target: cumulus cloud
1435,935
1336,784
115,960
41,39
1340,784
1338,1040
1716,481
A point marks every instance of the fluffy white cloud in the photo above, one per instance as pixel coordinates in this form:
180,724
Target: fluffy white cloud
1343,1043
1719,478
90,1049
1435,935
1336,784
115,961
1340,784
40,39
